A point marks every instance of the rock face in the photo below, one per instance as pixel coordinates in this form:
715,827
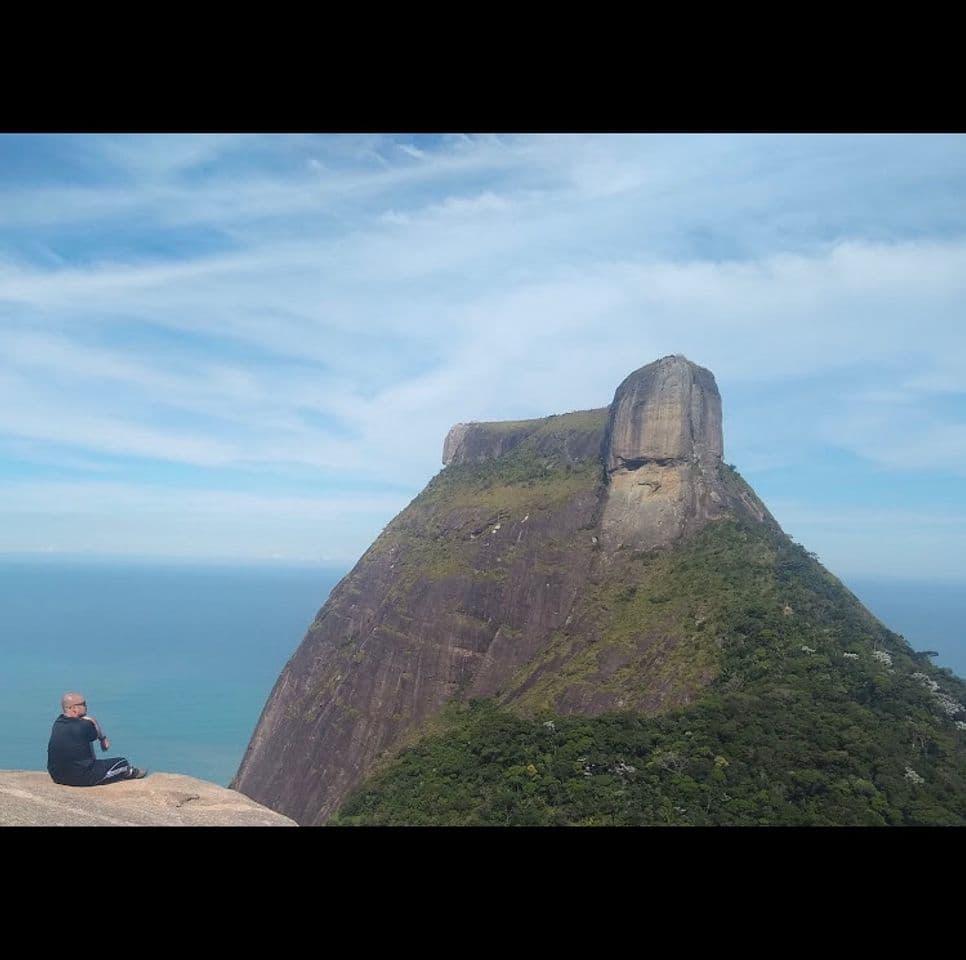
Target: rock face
31,799
475,442
489,585
669,410
663,453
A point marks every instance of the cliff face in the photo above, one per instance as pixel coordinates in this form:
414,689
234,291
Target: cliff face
476,442
663,453
668,410
493,582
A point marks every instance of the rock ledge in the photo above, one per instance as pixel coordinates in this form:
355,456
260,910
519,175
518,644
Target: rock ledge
30,798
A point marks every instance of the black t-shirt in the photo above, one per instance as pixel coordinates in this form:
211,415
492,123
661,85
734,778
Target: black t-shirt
70,753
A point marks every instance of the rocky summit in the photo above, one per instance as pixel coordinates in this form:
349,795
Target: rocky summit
662,453
591,618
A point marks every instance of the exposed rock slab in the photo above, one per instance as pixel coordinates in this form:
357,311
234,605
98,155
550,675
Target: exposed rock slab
30,798
475,442
663,454
456,595
668,410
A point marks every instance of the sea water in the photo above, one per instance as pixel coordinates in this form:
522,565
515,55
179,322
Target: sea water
176,661
930,615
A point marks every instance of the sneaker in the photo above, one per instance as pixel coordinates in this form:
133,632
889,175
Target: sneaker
137,774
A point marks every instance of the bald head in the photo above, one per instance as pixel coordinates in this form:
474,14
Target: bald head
73,704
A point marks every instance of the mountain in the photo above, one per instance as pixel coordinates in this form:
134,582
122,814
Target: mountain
591,618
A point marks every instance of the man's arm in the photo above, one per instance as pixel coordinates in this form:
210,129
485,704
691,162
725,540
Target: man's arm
99,733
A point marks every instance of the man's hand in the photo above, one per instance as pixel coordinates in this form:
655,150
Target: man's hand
105,744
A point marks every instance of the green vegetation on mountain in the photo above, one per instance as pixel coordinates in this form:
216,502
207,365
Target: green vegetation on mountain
559,456
591,619
804,709
437,536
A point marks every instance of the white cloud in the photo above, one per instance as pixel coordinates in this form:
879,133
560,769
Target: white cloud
123,519
910,444
97,497
162,156
25,412
411,151
362,294
916,544
514,348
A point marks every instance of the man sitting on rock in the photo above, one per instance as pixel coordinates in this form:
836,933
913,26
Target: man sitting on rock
70,752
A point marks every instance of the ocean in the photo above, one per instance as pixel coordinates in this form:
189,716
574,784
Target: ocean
930,615
176,660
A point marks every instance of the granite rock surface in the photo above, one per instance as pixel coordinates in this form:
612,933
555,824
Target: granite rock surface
30,798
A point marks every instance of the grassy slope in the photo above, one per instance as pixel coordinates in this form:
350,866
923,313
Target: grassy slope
803,721
432,537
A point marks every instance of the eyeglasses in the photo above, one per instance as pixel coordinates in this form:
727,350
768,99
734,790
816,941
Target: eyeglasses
81,703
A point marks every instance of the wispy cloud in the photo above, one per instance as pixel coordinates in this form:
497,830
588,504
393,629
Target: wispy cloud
843,307
331,305
94,497
183,522
912,542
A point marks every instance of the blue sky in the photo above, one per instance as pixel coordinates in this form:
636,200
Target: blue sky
251,347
